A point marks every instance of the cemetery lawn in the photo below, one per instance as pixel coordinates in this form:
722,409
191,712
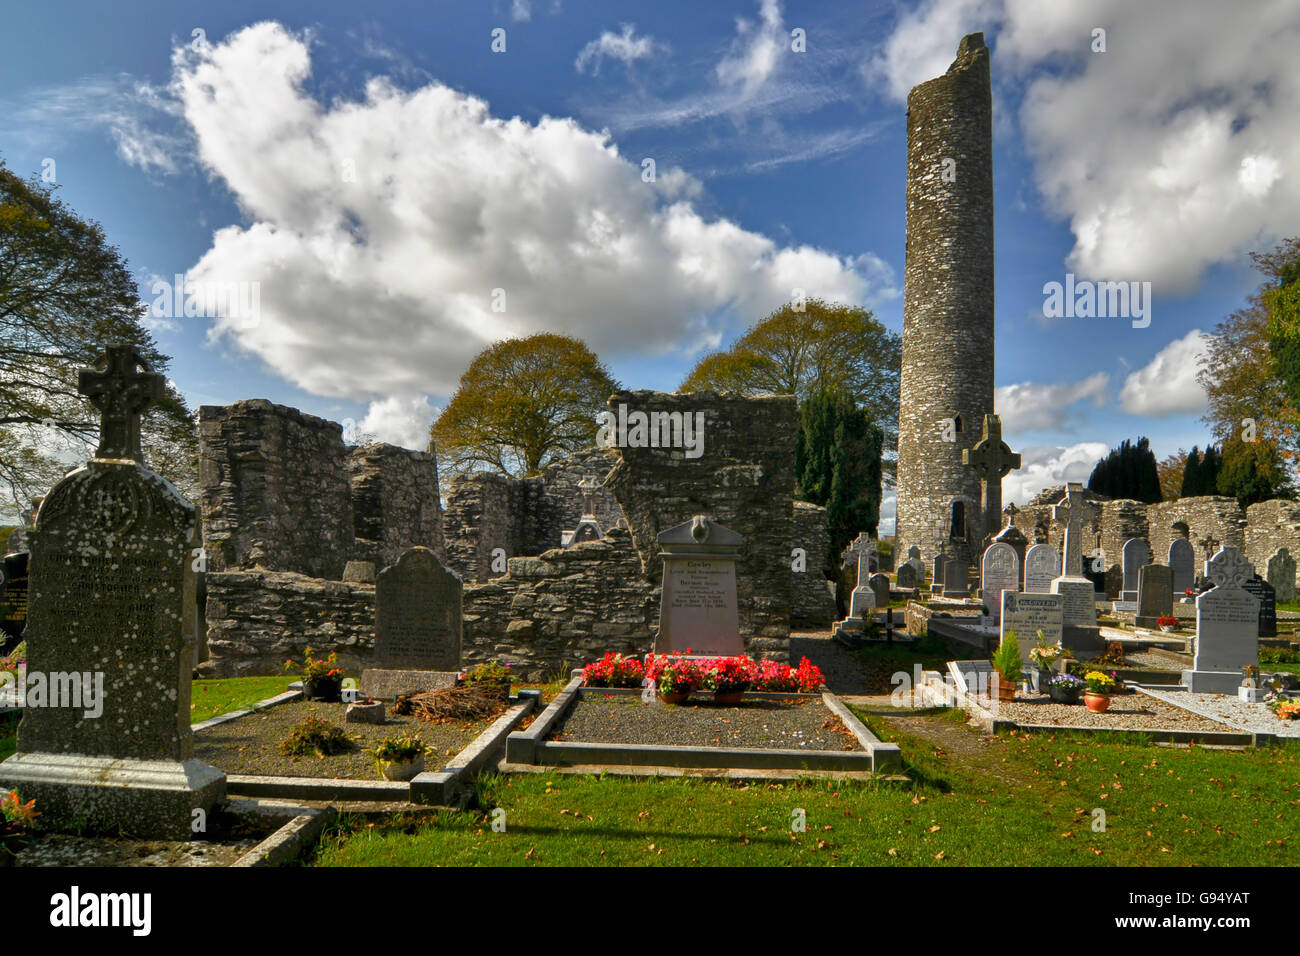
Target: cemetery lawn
978,800
212,698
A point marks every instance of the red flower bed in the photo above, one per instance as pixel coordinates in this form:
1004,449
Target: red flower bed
675,674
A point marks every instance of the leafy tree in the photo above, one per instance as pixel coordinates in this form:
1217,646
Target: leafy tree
521,404
838,466
1252,472
1172,471
66,294
824,347
1129,471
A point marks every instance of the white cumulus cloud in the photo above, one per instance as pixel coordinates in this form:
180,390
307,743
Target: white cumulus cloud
626,47
1045,466
1167,384
399,421
1032,406
756,50
397,235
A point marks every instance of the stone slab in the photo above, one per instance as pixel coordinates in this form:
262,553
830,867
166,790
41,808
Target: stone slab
384,684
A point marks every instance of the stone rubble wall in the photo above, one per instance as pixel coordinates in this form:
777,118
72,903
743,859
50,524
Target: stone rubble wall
1209,515
395,503
813,599
275,490
482,514
259,619
1271,525
1121,519
744,480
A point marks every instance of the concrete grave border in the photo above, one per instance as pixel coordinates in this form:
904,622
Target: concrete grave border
530,749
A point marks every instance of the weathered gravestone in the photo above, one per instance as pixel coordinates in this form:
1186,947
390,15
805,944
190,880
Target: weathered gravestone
1079,610
13,597
418,627
938,566
999,571
1042,564
359,572
907,576
879,584
1027,614
1182,561
914,559
956,578
1014,537
862,602
1267,605
1281,575
105,738
698,610
1227,626
1135,556
1155,595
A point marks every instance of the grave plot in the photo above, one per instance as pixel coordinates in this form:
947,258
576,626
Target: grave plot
593,727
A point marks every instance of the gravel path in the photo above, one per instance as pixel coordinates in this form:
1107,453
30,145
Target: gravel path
1255,718
248,744
753,724
1126,712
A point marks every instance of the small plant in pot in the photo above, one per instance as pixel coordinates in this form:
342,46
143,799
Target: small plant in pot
1066,688
1006,661
1045,657
322,679
15,819
399,758
1167,622
727,677
675,678
1100,686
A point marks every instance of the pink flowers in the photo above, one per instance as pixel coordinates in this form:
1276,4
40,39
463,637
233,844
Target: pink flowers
678,674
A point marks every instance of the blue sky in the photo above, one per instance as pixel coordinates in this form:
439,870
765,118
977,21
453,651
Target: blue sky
379,170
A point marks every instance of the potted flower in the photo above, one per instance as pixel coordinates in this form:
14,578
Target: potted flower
1066,688
15,818
614,670
399,758
1286,709
321,679
492,674
674,677
1006,661
1045,657
727,677
1100,687
1188,596
1167,622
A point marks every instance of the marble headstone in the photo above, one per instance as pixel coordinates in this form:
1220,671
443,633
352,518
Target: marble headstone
1042,564
1026,614
1227,626
13,596
1267,605
999,571
1182,561
698,609
1135,556
1281,575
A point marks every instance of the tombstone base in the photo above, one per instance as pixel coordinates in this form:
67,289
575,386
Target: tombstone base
1212,682
1082,640
145,799
862,603
390,684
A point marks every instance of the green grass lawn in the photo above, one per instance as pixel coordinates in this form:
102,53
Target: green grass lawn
1010,800
212,698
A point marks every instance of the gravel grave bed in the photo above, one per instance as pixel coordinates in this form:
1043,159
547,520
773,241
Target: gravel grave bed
248,744
1126,712
751,724
1255,718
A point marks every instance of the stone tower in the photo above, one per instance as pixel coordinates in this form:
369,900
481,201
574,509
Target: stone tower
947,376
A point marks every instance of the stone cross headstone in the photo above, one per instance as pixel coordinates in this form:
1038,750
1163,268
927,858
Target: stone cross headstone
1042,564
418,626
1027,614
1078,610
1267,605
105,738
1155,596
999,571
588,527
991,459
1281,575
1073,509
862,602
1136,554
698,609
1211,546
1182,561
1227,626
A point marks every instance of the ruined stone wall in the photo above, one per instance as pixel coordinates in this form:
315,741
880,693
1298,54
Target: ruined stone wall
1272,525
814,596
562,609
1035,521
1204,516
947,370
563,498
395,503
275,490
743,480
482,514
259,619
1121,519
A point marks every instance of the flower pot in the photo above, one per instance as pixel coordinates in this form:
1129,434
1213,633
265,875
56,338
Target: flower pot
669,698
730,697
1063,695
1006,689
1166,628
401,769
1096,702
361,713
323,689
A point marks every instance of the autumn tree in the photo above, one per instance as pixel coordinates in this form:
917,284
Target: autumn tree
1170,472
522,404
823,347
66,294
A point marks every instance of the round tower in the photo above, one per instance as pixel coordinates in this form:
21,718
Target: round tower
947,375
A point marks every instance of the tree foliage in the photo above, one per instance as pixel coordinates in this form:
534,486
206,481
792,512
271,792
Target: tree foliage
1252,472
1129,471
1201,474
838,465
1170,471
520,405
825,347
66,294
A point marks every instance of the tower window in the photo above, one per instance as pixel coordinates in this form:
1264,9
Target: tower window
957,530
957,424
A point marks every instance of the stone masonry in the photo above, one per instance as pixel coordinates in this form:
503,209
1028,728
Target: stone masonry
814,595
395,503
